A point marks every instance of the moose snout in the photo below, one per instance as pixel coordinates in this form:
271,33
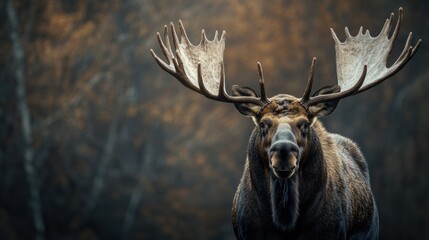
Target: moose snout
284,153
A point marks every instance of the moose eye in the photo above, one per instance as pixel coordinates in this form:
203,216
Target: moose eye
305,127
264,125
264,128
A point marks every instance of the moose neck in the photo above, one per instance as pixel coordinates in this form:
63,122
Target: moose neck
289,198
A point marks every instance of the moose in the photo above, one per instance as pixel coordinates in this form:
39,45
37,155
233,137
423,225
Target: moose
299,180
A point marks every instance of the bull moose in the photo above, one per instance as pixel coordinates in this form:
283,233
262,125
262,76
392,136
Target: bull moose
299,181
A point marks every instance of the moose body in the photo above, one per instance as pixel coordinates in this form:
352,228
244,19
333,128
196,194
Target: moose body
299,181
329,197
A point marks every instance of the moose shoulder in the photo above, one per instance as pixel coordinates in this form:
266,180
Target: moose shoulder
299,181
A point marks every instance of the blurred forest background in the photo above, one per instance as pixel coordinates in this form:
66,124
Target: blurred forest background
97,142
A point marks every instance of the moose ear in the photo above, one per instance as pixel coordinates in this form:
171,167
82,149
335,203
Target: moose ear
325,108
247,109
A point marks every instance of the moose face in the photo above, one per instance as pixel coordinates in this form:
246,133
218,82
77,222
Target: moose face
283,131
283,127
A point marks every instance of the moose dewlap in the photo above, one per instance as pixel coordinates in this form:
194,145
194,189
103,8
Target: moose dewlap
299,181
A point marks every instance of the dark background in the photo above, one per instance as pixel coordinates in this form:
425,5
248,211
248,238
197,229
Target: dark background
97,142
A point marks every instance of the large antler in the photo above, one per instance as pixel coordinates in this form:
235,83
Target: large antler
200,68
364,55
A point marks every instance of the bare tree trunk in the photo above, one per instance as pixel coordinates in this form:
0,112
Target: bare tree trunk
106,157
136,196
19,63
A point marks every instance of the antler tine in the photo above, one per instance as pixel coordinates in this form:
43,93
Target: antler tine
222,91
406,49
160,62
166,48
215,36
307,92
398,25
416,47
387,25
167,53
176,40
203,90
183,36
337,96
262,84
204,39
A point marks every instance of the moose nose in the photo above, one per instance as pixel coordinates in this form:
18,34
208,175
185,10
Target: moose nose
284,152
284,148
284,141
